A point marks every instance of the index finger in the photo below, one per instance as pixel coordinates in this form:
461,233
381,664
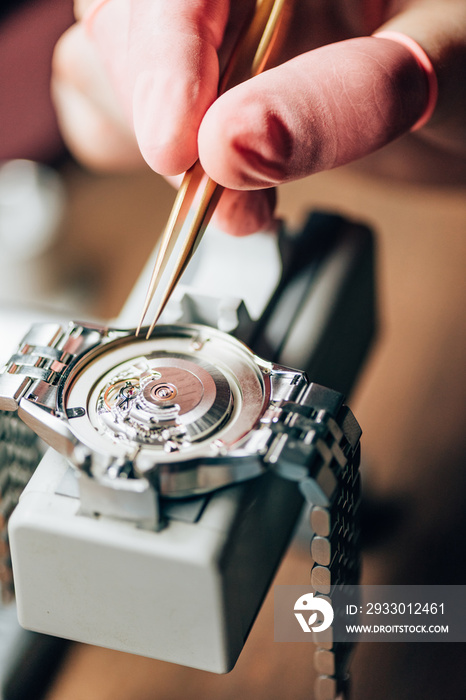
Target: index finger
166,65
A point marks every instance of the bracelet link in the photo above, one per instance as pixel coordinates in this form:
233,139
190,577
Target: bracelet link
20,453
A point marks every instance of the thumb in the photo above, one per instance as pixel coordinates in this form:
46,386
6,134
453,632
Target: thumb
319,110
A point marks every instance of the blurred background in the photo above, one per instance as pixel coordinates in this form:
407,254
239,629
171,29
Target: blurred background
77,241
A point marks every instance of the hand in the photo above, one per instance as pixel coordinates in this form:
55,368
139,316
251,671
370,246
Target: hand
332,98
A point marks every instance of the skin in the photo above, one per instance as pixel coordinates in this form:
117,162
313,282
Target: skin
140,79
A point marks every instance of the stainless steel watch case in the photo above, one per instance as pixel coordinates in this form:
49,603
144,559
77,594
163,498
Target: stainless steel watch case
241,392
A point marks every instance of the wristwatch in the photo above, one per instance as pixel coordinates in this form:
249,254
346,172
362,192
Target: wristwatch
186,412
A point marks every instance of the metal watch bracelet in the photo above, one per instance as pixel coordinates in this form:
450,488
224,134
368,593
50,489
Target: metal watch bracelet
314,440
42,356
20,453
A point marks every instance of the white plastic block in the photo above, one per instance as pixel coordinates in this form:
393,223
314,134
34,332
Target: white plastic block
187,594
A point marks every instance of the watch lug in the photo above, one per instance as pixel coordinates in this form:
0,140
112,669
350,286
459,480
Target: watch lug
43,395
47,426
124,499
197,477
286,384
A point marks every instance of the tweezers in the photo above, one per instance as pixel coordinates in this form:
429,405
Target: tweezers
249,58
